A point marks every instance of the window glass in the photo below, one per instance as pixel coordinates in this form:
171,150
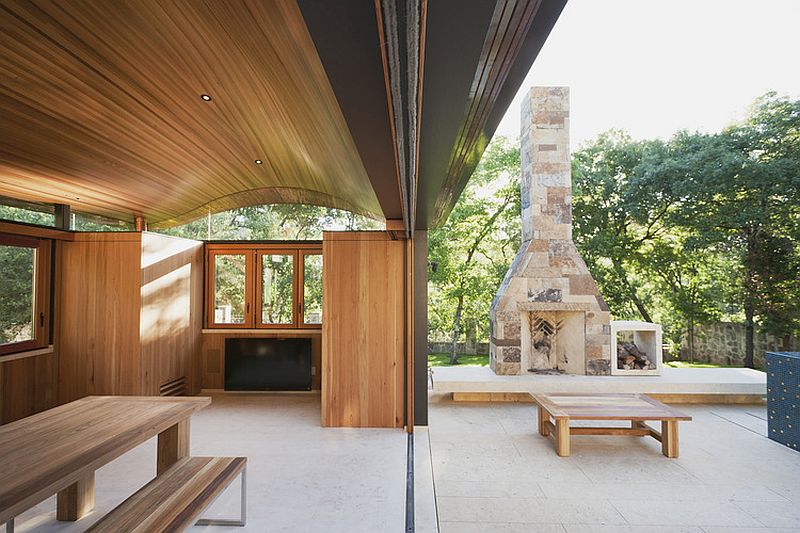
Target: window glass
229,288
17,289
28,212
277,288
91,222
312,289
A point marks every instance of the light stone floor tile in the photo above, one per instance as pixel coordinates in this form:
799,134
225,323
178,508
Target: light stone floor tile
425,519
494,527
729,477
774,514
683,513
583,528
709,529
301,477
528,510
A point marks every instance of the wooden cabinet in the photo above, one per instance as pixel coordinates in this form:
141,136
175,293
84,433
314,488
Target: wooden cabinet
364,330
129,314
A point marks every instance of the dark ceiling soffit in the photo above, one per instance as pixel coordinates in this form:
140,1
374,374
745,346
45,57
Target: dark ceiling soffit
513,39
346,37
402,32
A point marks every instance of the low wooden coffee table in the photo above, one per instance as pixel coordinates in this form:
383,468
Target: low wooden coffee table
637,408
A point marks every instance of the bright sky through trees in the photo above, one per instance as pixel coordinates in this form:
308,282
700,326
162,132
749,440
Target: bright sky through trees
653,67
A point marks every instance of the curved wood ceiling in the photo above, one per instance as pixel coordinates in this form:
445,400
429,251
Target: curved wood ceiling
100,108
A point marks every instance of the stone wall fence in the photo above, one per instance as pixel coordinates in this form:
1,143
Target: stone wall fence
723,343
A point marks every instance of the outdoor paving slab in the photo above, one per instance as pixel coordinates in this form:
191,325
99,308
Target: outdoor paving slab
663,491
774,514
583,528
528,510
729,477
709,529
497,527
682,513
503,488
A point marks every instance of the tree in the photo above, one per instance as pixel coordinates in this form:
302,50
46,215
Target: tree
740,192
470,249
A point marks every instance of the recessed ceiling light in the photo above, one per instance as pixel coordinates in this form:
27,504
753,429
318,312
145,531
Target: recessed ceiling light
259,162
206,97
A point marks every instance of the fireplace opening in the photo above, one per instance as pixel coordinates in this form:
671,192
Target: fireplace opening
555,342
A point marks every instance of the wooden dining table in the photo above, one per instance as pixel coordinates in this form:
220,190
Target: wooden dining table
58,451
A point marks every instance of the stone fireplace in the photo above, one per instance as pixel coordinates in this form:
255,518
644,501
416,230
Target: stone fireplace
548,315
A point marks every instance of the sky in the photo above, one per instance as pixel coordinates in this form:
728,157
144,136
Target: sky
653,67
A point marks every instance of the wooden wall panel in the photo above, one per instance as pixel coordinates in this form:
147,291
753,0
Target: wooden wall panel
363,333
98,315
212,358
27,386
172,311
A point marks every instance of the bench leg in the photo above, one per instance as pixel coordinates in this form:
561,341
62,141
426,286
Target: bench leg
173,445
227,521
562,437
77,500
543,419
669,438
10,526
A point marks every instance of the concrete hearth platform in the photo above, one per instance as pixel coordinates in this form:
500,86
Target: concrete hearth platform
672,381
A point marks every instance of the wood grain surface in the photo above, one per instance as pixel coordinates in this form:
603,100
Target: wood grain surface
363,333
49,451
100,106
174,500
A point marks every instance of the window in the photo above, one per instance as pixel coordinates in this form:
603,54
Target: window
24,293
264,286
312,288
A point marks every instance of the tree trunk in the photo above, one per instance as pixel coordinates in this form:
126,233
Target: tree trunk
618,268
691,340
749,339
456,328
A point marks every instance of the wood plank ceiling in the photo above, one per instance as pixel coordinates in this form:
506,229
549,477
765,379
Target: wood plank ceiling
100,108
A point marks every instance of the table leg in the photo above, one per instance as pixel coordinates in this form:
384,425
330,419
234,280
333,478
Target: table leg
562,437
77,500
173,444
543,419
669,438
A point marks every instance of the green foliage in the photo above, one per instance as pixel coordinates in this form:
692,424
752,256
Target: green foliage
443,359
475,246
699,228
272,222
16,293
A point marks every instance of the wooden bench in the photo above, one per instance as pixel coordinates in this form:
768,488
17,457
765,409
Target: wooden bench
174,499
636,408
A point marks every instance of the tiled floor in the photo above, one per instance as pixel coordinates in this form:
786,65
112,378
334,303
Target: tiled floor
494,473
301,477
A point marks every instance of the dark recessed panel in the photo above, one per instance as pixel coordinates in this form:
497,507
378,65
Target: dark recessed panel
267,364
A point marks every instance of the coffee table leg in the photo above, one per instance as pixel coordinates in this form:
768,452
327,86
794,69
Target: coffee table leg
173,444
562,437
77,500
669,438
543,419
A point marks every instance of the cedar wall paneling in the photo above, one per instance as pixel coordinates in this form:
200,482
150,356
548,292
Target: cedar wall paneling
363,332
172,314
27,386
212,360
129,314
98,316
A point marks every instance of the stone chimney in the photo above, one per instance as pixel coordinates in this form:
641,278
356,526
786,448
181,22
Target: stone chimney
548,315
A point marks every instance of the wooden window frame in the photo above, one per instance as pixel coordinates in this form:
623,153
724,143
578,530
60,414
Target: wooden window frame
211,287
301,300
41,293
259,279
254,253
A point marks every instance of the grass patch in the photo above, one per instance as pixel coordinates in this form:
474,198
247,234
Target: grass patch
687,364
443,359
